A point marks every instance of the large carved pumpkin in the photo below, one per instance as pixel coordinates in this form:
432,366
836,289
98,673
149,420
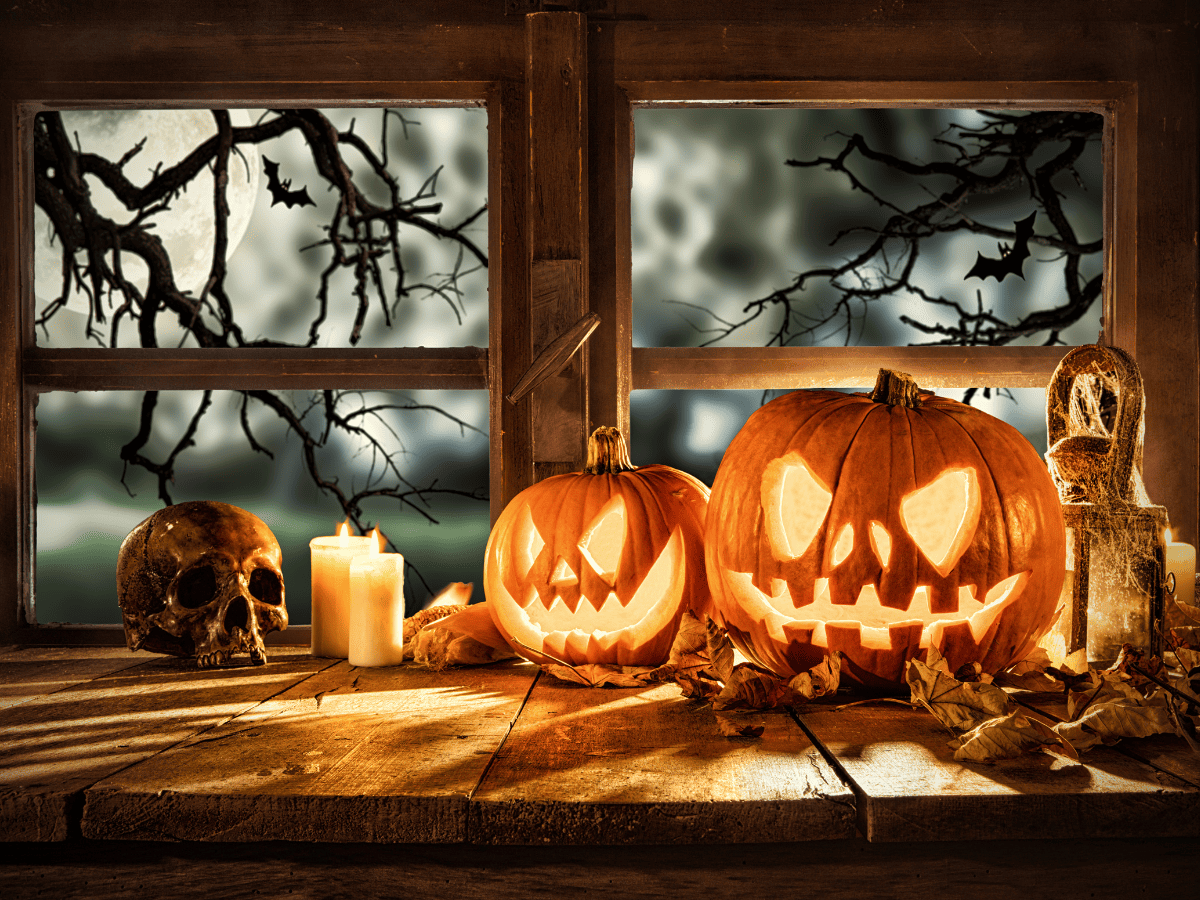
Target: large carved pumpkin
880,525
598,566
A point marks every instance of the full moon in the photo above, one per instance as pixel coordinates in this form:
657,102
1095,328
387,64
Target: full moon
187,229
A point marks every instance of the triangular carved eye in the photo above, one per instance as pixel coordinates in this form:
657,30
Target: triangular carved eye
941,517
602,543
794,504
528,544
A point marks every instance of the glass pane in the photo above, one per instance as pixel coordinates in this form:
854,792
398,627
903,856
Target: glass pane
818,227
382,242
691,429
436,514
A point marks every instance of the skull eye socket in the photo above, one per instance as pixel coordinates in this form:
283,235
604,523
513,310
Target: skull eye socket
794,504
266,587
197,587
941,517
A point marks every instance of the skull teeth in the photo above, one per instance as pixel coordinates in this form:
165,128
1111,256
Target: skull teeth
211,660
258,657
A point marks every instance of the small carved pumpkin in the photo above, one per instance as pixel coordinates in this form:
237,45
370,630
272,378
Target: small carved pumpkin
598,566
881,525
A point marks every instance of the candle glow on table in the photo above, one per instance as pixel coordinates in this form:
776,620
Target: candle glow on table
331,558
377,610
1181,570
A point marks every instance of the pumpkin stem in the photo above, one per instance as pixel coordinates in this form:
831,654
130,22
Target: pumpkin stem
608,453
896,389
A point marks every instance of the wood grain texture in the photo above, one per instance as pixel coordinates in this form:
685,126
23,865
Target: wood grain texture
461,368
595,766
909,787
352,754
56,745
838,870
556,82
708,368
33,672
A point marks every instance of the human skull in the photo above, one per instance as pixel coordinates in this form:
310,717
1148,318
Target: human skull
201,579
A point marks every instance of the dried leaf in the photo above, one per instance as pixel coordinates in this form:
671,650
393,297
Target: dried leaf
598,675
695,687
820,680
690,640
738,727
1007,737
1037,674
955,704
1099,687
1184,636
749,687
1112,719
720,650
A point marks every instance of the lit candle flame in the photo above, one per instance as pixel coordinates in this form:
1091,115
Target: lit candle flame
1168,536
343,530
380,540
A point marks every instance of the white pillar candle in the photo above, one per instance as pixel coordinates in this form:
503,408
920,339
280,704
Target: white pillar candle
377,610
1181,563
331,558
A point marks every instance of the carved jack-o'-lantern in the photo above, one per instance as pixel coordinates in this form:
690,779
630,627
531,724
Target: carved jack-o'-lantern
598,566
880,525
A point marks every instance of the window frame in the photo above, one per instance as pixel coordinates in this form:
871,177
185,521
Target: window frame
139,369
1137,63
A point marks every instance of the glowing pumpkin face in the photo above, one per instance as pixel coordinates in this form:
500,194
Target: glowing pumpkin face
880,529
598,566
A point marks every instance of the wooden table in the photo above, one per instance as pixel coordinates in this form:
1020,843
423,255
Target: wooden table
129,774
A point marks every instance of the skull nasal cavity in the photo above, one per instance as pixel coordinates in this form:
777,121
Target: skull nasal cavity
197,587
237,616
266,587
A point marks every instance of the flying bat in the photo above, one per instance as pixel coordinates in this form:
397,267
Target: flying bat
1012,259
281,189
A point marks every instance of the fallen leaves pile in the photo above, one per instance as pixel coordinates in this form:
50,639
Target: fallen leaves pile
1132,698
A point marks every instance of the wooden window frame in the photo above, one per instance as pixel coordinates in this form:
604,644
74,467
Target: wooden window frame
560,88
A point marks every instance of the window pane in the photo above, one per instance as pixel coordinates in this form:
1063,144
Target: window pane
691,429
819,227
381,244
437,439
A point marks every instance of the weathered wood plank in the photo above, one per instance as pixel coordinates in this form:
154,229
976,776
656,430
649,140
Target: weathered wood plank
710,368
593,766
462,368
909,787
30,672
56,745
838,870
352,754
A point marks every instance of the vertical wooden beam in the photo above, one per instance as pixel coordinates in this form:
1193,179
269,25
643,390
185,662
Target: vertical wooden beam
1168,271
610,152
508,286
14,412
556,82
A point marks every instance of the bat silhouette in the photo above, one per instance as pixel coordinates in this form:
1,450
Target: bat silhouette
281,189
1012,259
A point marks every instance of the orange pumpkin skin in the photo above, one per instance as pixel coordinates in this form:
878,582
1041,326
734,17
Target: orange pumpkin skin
820,489
598,566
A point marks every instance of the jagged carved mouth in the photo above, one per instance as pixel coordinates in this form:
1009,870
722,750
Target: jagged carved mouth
875,622
545,622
